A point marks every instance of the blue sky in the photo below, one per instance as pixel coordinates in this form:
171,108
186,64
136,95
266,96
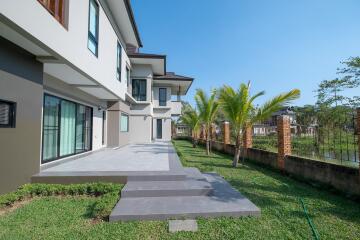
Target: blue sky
277,44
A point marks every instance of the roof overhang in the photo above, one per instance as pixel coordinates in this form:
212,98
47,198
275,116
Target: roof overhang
123,16
54,65
157,62
76,79
178,87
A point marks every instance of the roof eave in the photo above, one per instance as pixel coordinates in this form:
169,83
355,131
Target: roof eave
132,20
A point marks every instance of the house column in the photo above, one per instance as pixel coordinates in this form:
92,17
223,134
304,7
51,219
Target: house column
284,140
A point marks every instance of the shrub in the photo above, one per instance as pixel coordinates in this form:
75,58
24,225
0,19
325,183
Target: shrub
107,193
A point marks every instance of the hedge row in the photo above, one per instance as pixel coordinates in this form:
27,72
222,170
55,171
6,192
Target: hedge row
107,193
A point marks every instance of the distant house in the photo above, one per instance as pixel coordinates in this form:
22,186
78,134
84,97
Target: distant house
269,126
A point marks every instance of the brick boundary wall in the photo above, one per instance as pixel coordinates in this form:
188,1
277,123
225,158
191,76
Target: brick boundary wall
342,178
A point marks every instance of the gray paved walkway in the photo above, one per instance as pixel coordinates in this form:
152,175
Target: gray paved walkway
133,157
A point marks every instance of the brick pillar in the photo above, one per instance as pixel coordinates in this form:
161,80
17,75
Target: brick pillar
226,133
203,132
247,140
247,137
284,140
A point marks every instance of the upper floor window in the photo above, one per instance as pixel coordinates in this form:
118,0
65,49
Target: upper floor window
55,8
139,89
118,62
93,35
162,96
7,114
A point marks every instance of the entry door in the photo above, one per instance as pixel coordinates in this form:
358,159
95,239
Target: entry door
159,128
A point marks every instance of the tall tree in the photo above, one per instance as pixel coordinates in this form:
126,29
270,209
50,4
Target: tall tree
330,92
239,109
208,107
191,118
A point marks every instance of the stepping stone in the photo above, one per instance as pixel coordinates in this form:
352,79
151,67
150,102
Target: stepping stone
183,225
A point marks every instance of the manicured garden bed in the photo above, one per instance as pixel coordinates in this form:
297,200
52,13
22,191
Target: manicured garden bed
71,216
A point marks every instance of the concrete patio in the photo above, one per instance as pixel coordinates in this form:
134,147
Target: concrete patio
157,186
133,157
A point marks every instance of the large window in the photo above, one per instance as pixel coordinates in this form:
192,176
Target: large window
55,8
93,33
162,96
7,114
118,62
139,89
124,123
67,128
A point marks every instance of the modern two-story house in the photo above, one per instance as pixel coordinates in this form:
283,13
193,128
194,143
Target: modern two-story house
72,80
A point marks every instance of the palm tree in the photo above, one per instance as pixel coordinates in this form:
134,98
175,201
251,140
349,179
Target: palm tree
208,107
191,118
240,111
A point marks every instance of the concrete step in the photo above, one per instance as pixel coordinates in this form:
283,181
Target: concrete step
188,187
68,177
194,173
178,175
223,201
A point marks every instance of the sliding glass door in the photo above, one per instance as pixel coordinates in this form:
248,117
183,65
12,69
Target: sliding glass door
67,128
51,127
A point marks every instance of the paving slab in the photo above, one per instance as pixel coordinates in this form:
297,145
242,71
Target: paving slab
183,225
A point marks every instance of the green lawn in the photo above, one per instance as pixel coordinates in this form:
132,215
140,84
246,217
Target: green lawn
282,216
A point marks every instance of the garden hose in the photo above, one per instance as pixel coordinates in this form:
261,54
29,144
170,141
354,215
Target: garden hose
312,226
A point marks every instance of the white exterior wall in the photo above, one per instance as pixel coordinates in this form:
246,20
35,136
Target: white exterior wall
176,107
144,72
155,93
71,44
166,129
140,129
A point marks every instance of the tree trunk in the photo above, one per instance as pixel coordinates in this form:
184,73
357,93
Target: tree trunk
194,142
236,156
237,150
207,146
210,145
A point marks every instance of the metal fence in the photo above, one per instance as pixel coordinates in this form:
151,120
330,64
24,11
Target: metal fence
265,137
335,142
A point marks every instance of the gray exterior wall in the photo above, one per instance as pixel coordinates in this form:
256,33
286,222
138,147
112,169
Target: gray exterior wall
115,137
21,78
